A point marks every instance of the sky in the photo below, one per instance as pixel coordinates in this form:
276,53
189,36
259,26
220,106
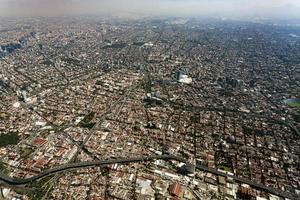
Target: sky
211,8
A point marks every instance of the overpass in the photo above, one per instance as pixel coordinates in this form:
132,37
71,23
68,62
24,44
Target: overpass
5,180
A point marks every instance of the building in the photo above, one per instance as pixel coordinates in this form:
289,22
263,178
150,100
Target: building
182,78
175,189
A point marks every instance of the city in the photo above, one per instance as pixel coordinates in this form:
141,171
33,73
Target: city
152,108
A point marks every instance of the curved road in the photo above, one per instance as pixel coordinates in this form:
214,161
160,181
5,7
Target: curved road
65,167
12,181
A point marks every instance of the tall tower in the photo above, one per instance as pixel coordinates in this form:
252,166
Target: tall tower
180,73
24,95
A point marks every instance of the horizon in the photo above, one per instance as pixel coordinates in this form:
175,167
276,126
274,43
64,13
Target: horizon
245,9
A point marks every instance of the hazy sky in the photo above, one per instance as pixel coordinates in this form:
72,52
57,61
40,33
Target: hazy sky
220,8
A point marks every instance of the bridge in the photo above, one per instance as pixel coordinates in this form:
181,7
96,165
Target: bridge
5,180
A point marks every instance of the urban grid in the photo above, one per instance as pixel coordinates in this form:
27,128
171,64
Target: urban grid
152,108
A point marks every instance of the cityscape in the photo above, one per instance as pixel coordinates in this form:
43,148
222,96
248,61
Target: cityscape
149,108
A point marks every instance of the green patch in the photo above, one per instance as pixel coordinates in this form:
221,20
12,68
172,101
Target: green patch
88,125
71,61
9,139
88,118
25,153
86,122
294,104
3,169
99,82
40,187
138,43
224,168
226,92
47,62
296,117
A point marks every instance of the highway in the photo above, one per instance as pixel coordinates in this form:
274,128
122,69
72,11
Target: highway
13,181
260,186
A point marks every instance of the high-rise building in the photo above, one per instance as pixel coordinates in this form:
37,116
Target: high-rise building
182,78
180,73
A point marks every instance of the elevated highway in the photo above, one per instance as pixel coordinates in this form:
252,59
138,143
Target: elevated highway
5,180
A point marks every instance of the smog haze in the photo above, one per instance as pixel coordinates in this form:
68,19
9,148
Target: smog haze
282,9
